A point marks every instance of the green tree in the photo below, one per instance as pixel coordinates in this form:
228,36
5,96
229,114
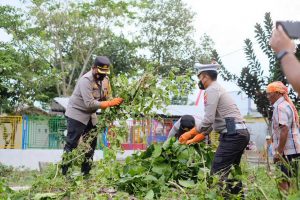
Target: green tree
67,35
23,79
205,49
203,54
167,33
123,54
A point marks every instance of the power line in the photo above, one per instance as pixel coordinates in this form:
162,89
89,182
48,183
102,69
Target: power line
232,52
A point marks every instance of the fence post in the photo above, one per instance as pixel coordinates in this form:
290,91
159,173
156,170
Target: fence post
24,131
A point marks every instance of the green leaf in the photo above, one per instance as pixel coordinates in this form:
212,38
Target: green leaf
150,178
149,195
168,143
187,183
157,151
136,170
40,196
162,169
211,195
183,155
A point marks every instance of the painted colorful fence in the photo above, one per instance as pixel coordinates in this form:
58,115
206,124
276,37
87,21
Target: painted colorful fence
10,132
48,132
43,132
144,132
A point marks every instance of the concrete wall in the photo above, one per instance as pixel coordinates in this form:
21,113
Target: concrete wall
30,158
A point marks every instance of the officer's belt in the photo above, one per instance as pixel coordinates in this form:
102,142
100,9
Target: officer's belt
238,126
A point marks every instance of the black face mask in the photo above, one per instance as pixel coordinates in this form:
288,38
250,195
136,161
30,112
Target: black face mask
99,77
200,85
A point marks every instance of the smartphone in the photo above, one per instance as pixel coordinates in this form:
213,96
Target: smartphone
292,28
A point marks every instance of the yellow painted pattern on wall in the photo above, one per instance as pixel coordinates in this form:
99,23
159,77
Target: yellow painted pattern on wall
11,132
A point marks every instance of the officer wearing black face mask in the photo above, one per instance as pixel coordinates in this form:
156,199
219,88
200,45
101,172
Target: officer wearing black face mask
222,115
92,92
201,86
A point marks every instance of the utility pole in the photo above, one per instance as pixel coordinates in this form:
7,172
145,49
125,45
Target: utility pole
249,106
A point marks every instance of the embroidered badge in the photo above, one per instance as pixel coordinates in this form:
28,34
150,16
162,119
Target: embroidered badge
205,99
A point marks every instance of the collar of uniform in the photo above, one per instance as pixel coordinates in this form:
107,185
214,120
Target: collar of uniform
212,84
89,75
280,100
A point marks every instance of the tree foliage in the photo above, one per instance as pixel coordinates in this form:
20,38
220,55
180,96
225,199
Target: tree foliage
65,36
23,79
167,33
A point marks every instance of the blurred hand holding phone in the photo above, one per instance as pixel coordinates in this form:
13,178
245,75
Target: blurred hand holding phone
291,28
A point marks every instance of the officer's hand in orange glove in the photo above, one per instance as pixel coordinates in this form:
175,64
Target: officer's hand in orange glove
111,103
187,135
196,139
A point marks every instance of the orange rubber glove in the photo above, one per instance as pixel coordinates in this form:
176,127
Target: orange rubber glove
187,135
196,139
111,103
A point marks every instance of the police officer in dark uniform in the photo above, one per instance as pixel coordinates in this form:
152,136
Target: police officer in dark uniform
92,92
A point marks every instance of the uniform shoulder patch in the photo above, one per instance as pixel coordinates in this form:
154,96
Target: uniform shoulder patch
205,98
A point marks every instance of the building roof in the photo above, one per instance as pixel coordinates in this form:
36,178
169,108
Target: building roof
59,104
180,110
31,110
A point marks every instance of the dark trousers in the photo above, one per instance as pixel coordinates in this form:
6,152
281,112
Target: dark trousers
228,154
291,165
77,129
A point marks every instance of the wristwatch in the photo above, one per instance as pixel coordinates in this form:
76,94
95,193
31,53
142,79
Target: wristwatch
281,54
